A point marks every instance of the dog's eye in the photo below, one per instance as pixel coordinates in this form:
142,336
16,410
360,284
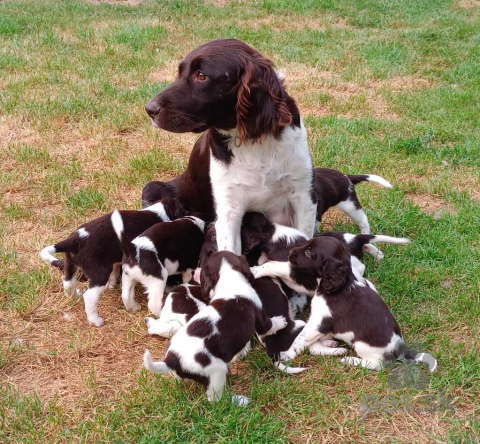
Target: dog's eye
307,253
201,76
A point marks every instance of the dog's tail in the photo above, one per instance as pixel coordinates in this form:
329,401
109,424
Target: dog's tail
373,239
157,367
69,245
357,178
289,370
117,223
403,353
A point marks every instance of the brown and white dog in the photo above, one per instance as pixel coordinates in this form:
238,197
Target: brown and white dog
95,251
202,349
253,154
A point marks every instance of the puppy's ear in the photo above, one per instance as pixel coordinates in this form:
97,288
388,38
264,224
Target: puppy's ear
261,101
209,277
250,241
246,270
177,209
334,274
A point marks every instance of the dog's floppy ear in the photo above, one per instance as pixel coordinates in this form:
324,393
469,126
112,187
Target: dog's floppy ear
246,270
250,240
209,277
334,273
261,101
177,209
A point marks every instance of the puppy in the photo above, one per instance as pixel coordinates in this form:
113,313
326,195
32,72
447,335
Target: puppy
334,189
184,302
347,309
164,249
202,349
359,244
274,241
95,251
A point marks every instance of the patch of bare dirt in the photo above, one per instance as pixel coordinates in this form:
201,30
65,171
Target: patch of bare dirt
118,2
469,4
308,83
430,204
62,356
293,23
165,74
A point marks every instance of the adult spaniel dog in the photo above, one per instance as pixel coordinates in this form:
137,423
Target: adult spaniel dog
253,153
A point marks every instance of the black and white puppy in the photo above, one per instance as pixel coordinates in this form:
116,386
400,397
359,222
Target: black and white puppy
184,303
181,304
202,349
274,241
165,249
359,244
335,189
346,308
95,251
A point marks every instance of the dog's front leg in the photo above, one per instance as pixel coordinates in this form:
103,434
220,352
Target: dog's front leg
305,214
228,226
273,269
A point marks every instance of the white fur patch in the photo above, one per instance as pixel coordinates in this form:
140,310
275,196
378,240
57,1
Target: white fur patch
144,243
159,209
82,233
198,222
288,233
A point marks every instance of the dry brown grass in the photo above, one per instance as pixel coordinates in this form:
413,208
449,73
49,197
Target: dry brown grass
307,84
469,4
431,204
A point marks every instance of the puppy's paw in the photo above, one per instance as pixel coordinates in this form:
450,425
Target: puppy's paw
278,323
379,255
241,401
288,355
329,342
96,320
134,307
257,271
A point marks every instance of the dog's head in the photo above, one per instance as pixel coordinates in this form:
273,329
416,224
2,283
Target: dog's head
326,258
257,230
225,84
211,271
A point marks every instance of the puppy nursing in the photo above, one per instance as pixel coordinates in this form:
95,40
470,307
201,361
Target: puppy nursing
202,349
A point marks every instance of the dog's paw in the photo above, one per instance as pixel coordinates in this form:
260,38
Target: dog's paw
278,323
241,401
96,320
257,271
379,255
329,342
134,307
288,355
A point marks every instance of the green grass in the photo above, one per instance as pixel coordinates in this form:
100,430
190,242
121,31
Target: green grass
385,87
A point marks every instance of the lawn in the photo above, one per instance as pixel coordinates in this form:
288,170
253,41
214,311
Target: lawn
390,87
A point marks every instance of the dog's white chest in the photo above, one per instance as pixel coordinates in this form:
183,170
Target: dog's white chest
264,176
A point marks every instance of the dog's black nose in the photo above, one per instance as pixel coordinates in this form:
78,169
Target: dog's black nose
152,108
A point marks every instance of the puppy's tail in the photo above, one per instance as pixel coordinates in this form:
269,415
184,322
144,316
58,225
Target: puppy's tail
289,370
373,239
117,223
403,353
69,245
157,367
357,178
